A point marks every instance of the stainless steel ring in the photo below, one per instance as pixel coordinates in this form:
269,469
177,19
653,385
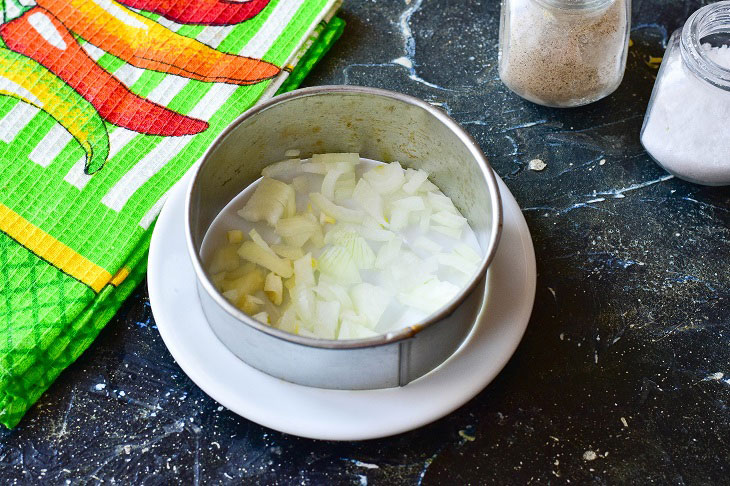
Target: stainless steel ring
380,125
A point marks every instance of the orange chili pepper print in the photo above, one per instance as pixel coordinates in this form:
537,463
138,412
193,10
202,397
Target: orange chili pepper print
148,45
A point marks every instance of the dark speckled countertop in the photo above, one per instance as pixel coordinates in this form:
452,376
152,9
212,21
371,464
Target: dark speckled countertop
623,375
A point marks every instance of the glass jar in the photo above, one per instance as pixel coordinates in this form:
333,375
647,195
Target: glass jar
686,124
563,53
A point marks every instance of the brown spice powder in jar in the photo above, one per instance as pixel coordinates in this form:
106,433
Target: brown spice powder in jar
558,57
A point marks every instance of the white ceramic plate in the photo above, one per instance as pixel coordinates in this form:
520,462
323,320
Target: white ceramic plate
335,414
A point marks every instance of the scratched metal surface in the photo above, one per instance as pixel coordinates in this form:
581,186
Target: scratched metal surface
623,376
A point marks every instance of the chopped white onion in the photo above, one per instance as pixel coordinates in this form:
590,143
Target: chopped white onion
268,201
282,169
337,262
388,253
359,249
353,330
387,178
327,319
370,301
429,296
414,180
427,245
334,270
370,200
303,271
339,213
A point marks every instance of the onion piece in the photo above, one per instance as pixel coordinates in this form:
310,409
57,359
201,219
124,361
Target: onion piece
359,249
373,231
414,180
218,279
234,236
454,233
327,319
353,330
387,178
467,252
254,253
428,186
424,222
440,202
370,301
256,238
426,245
225,260
294,226
369,200
301,184
339,213
249,304
274,288
337,157
285,168
338,263
262,317
314,168
388,253
287,251
268,201
303,271
410,203
288,321
328,289
232,295
408,271
401,210
317,236
247,284
304,303
429,296
344,187
449,219
302,331
331,177
457,262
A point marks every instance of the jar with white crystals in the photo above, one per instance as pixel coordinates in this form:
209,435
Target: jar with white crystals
687,124
563,53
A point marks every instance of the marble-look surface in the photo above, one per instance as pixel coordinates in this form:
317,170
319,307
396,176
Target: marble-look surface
623,375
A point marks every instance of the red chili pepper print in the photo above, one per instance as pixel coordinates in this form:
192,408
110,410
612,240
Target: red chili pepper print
204,12
42,37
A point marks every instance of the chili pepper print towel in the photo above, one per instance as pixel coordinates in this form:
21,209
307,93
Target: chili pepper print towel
104,104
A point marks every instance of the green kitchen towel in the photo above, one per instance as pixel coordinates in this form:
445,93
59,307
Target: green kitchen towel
104,106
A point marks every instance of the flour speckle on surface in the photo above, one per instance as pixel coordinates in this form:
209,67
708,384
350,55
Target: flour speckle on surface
589,456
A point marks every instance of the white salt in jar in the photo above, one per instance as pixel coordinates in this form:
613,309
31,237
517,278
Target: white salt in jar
563,53
687,124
